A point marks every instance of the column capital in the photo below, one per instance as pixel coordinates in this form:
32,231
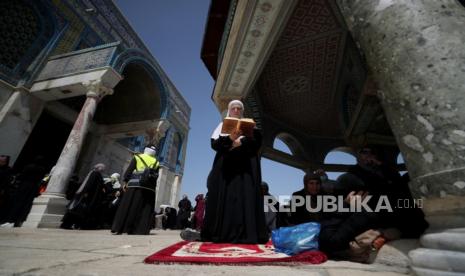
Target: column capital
163,126
96,89
158,131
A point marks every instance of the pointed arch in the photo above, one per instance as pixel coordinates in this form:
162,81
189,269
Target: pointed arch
136,56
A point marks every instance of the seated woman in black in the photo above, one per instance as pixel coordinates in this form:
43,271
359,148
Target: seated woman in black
309,195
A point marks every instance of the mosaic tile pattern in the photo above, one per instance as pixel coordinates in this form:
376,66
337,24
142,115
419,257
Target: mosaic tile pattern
301,76
20,27
74,31
310,18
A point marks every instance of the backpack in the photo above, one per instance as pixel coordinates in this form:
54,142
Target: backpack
150,174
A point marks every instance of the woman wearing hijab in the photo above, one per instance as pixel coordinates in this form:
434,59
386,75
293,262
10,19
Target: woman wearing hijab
234,208
199,211
83,210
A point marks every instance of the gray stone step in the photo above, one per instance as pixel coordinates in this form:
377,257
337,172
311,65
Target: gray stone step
453,241
444,260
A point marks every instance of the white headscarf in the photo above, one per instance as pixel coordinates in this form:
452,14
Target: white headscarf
150,151
97,168
115,179
234,103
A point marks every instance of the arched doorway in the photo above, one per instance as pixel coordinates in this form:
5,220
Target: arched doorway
124,119
135,98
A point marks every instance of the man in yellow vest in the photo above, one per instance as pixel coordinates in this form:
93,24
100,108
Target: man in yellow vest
135,213
144,170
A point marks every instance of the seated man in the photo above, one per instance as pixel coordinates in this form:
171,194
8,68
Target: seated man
359,232
328,186
349,235
380,179
170,218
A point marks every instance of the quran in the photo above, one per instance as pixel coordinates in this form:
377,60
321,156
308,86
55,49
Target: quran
245,125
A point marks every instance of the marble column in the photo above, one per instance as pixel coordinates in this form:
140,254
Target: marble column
175,189
68,158
415,53
49,207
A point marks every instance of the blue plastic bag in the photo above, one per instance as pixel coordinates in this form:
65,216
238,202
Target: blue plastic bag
295,239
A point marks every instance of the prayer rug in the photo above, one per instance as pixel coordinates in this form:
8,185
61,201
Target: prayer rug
232,254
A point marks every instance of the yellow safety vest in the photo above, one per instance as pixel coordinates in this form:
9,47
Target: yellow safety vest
149,160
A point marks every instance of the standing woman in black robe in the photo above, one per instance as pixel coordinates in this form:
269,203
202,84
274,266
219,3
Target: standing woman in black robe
26,188
136,210
84,209
234,208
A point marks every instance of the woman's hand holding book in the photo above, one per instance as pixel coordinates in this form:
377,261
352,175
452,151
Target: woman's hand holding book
235,135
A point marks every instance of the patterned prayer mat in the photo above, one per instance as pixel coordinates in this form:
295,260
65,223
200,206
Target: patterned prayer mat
232,254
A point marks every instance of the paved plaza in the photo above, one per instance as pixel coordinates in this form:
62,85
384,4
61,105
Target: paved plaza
26,251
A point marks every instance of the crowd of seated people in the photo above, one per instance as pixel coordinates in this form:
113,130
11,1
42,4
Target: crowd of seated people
353,233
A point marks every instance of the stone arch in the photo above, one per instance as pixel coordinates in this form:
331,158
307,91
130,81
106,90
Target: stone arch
277,146
400,158
345,154
291,142
138,97
161,148
164,147
180,153
136,56
173,154
400,162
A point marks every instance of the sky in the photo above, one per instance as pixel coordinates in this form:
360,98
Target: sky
173,31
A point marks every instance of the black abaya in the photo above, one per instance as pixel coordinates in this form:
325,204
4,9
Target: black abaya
136,211
85,208
234,208
23,195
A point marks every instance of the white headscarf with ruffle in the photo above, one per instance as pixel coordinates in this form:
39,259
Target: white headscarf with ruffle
234,103
150,151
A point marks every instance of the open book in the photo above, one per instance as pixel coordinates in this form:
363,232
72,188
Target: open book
246,125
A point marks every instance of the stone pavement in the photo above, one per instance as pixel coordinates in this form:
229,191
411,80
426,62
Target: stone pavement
27,251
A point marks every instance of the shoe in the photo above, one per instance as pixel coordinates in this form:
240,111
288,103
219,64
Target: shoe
7,225
355,253
190,235
358,253
366,238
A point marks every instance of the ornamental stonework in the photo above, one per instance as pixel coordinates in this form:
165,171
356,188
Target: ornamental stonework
302,70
